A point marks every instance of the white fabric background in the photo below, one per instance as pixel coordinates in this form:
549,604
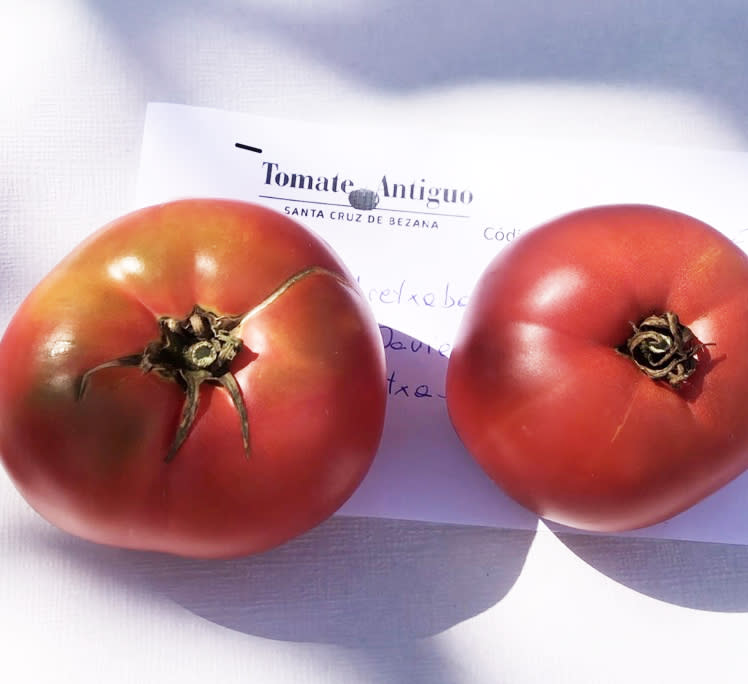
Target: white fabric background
355,600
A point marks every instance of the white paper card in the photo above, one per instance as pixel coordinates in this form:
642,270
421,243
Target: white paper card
446,205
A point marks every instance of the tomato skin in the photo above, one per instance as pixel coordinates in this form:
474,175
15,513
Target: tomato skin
560,420
312,376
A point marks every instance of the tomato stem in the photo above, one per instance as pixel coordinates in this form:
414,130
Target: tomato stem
200,348
663,348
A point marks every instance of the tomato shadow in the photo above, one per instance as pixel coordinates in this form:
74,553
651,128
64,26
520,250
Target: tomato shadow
357,582
699,575
374,587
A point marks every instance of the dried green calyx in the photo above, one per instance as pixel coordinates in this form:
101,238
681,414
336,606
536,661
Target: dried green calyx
190,351
663,348
196,349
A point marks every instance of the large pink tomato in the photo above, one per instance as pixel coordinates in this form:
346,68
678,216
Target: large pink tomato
201,377
600,375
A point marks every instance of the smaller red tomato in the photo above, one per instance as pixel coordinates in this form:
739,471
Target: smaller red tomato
600,375
202,377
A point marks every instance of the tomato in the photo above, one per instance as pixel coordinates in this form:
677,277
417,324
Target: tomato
202,378
600,373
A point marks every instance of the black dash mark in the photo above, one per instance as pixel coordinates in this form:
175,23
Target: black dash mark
242,146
